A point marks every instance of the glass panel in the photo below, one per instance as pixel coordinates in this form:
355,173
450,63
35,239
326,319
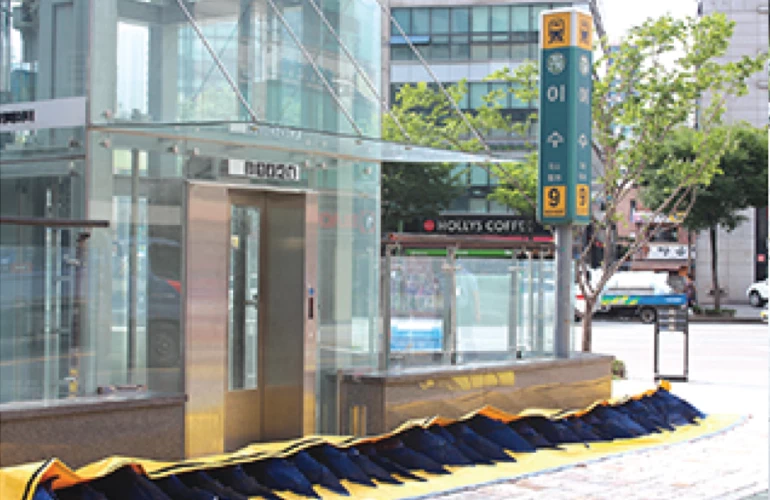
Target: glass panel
479,176
243,291
520,18
477,91
501,18
520,51
500,51
421,21
504,100
45,350
516,102
439,52
460,20
477,205
401,53
483,331
535,16
480,19
403,17
133,47
417,298
461,52
479,51
439,21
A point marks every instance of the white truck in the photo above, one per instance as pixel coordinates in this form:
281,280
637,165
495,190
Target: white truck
632,294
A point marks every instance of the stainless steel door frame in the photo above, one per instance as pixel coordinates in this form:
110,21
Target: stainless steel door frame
218,419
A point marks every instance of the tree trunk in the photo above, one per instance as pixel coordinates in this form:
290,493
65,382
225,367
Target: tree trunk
587,321
714,272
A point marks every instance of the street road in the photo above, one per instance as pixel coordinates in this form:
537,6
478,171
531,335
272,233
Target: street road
729,371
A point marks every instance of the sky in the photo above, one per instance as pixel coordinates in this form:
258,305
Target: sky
620,15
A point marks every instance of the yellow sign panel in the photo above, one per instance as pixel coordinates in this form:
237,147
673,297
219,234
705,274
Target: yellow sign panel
583,200
585,30
555,201
556,30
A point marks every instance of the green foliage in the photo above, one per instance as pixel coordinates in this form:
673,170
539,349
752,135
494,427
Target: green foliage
429,119
411,191
661,76
740,181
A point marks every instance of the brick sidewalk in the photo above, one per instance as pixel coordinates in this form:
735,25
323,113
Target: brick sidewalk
730,465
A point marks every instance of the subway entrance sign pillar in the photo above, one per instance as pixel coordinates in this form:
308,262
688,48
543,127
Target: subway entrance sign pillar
564,180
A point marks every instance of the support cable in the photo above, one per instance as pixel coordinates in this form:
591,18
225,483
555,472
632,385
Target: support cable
218,61
359,69
435,78
317,70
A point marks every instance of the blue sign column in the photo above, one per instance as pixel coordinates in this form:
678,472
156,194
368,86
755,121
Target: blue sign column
564,182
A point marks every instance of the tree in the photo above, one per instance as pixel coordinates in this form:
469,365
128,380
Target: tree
410,191
639,98
740,182
429,119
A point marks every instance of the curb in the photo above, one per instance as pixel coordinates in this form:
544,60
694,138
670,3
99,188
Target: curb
709,319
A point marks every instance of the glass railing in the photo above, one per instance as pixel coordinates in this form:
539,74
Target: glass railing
447,311
75,314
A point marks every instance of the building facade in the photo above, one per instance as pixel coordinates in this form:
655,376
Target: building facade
742,253
468,41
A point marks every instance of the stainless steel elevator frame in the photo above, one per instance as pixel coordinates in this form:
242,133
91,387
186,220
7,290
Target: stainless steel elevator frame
283,404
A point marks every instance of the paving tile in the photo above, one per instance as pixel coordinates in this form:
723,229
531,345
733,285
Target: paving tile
730,465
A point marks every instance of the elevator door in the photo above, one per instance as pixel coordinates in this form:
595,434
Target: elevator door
250,316
244,397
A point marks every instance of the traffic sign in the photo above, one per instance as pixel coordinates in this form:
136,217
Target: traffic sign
566,38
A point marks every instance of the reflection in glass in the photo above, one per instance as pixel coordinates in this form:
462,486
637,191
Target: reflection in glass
243,292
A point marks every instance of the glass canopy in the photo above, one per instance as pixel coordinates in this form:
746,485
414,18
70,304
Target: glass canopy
246,140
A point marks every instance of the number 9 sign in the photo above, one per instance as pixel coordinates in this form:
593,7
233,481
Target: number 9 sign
554,202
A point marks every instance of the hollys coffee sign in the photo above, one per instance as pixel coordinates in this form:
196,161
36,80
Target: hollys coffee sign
490,225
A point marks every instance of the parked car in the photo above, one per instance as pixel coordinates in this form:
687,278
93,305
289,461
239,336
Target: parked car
757,293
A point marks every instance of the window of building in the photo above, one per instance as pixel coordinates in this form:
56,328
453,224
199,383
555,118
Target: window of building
403,17
520,18
460,20
665,235
503,99
420,21
401,53
477,205
479,51
535,16
500,51
439,21
479,176
501,18
496,207
480,19
477,92
461,51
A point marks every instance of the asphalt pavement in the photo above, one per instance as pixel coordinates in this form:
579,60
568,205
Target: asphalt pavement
728,373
